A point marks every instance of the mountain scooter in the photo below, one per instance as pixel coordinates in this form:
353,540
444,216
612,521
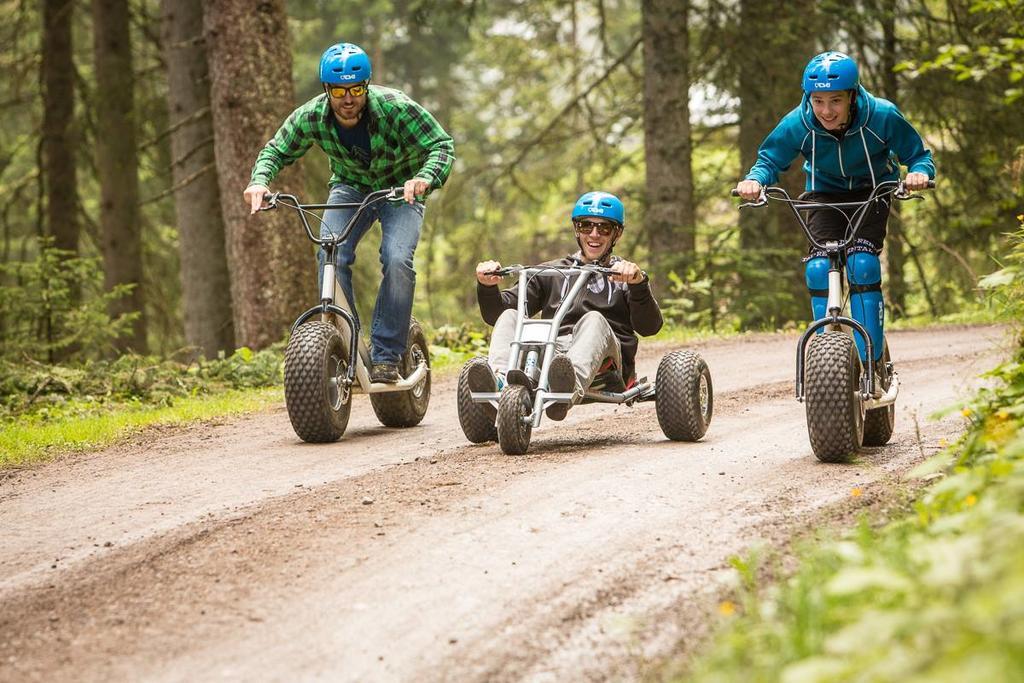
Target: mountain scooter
326,360
849,402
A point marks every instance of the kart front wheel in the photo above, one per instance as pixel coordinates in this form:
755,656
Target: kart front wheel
514,429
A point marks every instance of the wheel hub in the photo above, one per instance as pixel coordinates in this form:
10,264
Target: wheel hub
338,386
704,395
417,358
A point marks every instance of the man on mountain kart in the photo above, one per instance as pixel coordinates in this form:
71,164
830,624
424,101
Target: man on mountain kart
374,138
851,141
599,332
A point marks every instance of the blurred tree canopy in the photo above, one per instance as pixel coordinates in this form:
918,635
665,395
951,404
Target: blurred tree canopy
545,99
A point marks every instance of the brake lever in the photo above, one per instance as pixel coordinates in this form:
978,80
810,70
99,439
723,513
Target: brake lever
271,202
903,194
760,201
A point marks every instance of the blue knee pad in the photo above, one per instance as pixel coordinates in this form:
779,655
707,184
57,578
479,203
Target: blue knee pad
816,275
864,271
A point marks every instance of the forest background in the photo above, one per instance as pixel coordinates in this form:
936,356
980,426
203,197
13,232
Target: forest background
130,129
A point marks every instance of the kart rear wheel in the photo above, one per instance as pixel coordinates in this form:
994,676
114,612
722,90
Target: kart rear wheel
407,408
684,397
513,430
879,423
316,391
476,419
835,412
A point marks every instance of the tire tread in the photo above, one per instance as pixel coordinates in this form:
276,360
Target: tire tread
677,401
305,392
830,381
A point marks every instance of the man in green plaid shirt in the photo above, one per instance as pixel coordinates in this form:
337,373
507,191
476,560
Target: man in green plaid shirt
375,138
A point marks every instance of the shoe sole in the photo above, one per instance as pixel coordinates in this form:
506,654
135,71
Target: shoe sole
480,379
561,380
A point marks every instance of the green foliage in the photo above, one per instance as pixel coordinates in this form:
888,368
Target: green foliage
464,338
995,50
43,314
30,390
453,345
936,595
1007,283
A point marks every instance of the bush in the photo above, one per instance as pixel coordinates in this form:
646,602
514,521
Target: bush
55,307
31,388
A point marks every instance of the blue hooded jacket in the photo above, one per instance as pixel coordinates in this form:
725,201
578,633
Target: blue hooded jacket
878,140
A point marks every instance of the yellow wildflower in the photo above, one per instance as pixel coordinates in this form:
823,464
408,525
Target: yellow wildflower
1003,414
970,500
726,608
856,492
966,412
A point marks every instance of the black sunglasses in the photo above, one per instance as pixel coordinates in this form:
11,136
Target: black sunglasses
586,227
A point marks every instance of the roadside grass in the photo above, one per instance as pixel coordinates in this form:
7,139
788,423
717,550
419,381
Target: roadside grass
935,595
979,314
49,410
32,439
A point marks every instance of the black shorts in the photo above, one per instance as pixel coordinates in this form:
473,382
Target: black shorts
833,224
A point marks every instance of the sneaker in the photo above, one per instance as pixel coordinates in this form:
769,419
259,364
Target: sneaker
520,378
479,378
386,373
561,380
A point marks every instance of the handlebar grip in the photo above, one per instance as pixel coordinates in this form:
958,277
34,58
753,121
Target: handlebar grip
931,184
734,192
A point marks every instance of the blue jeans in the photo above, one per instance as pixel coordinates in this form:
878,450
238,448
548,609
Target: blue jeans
400,231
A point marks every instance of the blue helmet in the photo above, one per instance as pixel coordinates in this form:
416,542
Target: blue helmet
344,63
600,205
830,71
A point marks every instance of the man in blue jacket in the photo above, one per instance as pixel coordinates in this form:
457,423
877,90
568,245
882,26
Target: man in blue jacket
851,141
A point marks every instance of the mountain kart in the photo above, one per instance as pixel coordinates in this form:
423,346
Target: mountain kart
682,389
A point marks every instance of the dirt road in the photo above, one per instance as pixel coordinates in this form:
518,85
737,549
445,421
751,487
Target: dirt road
234,551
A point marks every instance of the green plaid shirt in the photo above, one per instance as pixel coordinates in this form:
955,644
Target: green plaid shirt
405,142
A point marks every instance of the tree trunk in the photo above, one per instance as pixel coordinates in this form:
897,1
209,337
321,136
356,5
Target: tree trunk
771,56
59,142
895,251
668,192
117,164
273,274
206,287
